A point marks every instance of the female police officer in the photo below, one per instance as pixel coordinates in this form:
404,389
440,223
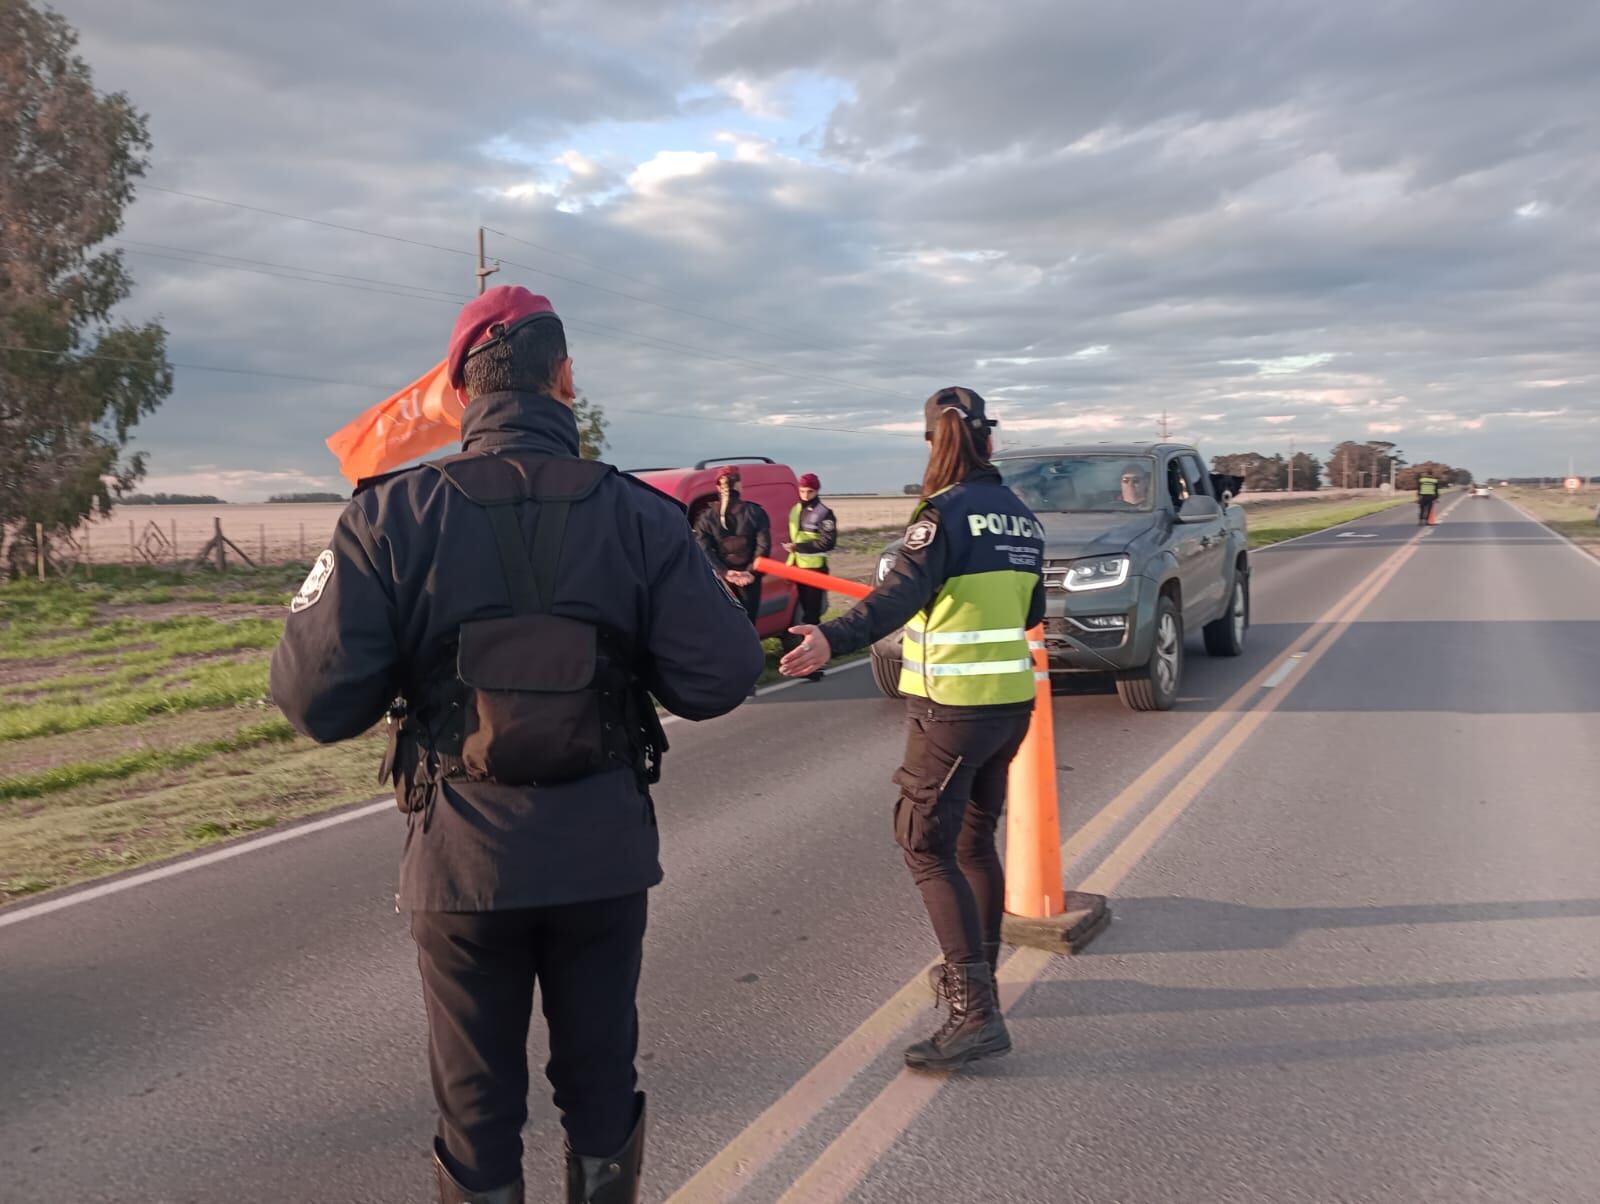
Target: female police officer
966,586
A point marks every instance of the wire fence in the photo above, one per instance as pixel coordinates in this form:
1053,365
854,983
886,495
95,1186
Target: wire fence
179,538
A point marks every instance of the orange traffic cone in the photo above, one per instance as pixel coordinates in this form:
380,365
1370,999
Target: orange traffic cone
1433,515
1039,910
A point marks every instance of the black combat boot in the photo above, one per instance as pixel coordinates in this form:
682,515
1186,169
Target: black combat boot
451,1192
936,973
974,1028
613,1180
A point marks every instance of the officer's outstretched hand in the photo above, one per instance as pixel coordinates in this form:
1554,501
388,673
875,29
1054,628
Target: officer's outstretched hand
809,655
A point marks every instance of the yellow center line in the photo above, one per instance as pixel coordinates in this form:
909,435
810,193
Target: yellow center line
732,1168
841,1166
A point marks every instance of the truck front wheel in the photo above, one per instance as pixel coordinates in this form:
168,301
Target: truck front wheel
886,673
1154,685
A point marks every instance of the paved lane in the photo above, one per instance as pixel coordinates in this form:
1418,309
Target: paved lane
1363,965
253,1028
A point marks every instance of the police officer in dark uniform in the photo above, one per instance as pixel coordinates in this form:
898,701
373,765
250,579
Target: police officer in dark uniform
514,609
966,584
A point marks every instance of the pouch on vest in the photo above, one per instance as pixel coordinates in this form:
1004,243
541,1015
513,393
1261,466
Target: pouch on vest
541,706
532,698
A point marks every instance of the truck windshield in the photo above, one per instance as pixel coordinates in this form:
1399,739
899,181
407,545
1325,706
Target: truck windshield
1081,484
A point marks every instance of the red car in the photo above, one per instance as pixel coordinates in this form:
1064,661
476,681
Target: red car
770,485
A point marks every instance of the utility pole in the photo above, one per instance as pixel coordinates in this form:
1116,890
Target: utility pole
484,270
1291,465
1165,431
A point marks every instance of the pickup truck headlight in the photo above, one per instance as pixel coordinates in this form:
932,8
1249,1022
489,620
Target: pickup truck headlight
1101,573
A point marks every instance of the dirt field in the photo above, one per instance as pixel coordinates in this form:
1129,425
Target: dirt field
279,534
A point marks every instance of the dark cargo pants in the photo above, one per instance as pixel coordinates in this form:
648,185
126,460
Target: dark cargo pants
478,975
952,794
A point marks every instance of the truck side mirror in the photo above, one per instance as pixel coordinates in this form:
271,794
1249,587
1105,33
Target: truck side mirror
1199,509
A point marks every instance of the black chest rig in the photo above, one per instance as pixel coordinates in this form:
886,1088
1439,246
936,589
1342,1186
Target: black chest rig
532,698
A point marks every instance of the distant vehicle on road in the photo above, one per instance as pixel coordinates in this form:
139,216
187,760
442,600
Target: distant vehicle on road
770,485
1142,544
1479,491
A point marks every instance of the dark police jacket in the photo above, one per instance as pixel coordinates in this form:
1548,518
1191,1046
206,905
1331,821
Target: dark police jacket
939,544
734,542
412,559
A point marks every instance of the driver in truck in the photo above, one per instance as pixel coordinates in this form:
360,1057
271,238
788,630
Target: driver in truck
1135,485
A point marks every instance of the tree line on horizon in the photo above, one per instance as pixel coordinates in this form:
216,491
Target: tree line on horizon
1351,465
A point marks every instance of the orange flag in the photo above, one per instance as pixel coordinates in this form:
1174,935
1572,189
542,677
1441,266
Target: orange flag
421,418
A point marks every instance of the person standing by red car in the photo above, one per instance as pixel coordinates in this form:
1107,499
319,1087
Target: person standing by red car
734,533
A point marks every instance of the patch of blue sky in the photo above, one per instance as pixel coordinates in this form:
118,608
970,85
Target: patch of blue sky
788,115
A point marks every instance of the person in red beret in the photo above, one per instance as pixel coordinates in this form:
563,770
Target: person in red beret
518,611
813,533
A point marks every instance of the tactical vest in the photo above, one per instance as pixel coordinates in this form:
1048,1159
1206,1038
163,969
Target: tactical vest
797,528
532,698
970,646
1428,487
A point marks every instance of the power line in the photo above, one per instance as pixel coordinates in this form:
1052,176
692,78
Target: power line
525,267
230,267
366,387
315,221
692,313
418,288
588,263
441,296
127,359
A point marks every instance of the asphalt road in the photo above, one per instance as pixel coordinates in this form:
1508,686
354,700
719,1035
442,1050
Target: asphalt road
1356,954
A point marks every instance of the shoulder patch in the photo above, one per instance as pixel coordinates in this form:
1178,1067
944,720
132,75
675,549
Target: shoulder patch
920,534
316,581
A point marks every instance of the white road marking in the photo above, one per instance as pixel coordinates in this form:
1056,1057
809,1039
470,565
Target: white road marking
15,915
1281,674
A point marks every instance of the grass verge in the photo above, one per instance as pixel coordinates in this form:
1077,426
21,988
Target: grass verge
1293,519
1569,514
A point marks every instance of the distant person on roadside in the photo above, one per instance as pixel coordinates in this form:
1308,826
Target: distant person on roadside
734,533
813,533
966,585
1135,486
1427,495
518,611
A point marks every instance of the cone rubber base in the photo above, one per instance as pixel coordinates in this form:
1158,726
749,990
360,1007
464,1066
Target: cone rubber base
1084,918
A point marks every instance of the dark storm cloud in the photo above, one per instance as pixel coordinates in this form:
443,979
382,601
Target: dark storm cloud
1273,220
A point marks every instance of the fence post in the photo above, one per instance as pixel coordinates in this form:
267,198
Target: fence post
174,545
133,551
222,557
88,560
38,546
302,541
263,543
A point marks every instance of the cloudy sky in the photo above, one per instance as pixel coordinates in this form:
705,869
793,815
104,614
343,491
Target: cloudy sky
1276,221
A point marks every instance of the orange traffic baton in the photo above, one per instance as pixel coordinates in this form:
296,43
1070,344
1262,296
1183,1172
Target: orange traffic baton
1039,910
810,577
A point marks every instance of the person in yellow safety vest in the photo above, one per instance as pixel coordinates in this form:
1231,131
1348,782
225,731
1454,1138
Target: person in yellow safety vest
1427,495
813,533
966,585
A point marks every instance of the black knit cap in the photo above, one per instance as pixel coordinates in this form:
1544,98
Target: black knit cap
956,397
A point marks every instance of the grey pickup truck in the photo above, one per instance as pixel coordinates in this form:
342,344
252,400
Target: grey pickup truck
1142,545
